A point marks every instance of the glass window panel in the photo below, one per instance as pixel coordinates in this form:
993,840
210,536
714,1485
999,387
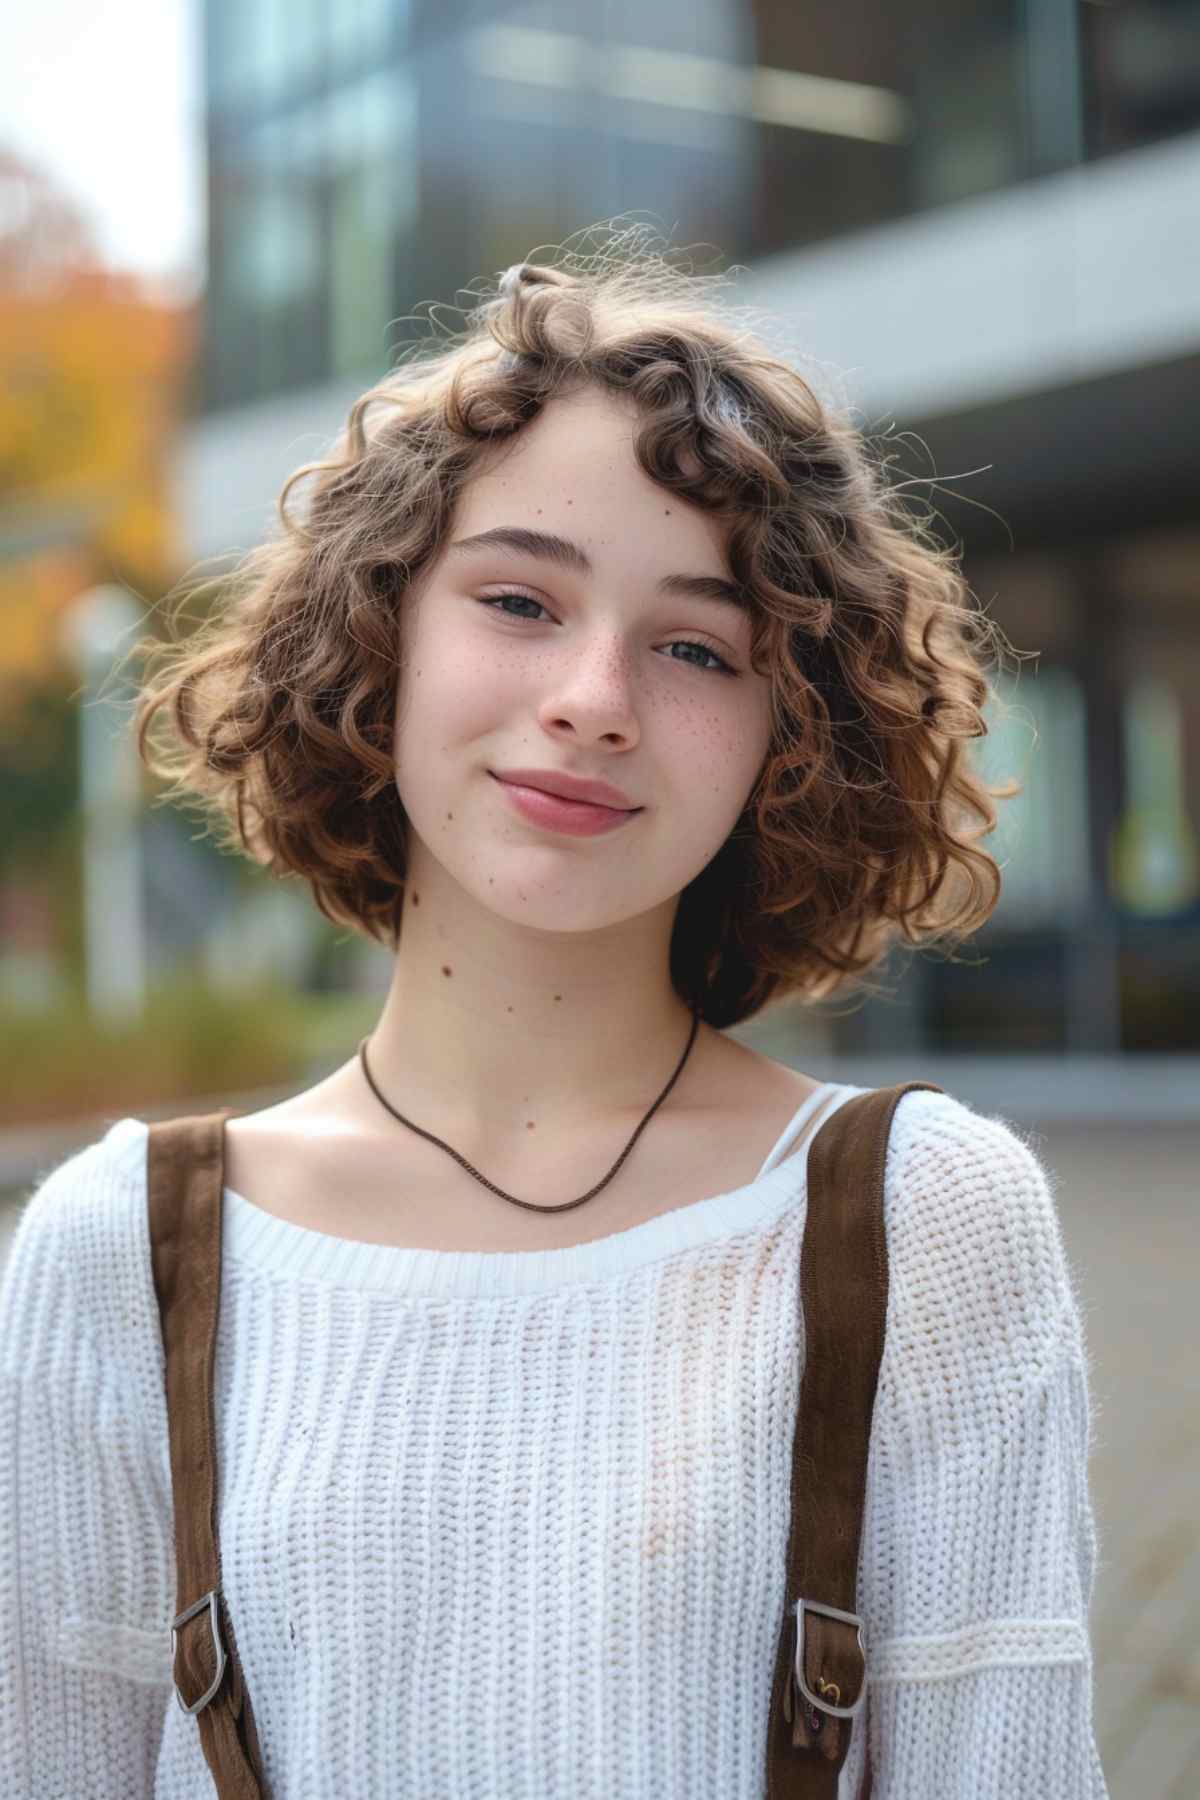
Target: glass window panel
908,108
235,34
273,236
278,249
375,200
1037,732
257,52
1154,856
362,28
269,51
1141,63
301,44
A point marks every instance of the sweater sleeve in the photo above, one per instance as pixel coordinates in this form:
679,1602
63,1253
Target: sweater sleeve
979,1542
86,1580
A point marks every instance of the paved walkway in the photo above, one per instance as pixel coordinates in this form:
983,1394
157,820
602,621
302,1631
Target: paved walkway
1129,1198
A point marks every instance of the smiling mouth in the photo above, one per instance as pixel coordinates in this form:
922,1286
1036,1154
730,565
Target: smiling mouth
555,812
533,787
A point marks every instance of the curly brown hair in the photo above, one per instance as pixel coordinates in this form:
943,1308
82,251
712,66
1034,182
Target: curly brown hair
862,830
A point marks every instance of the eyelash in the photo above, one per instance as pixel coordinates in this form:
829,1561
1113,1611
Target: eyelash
492,601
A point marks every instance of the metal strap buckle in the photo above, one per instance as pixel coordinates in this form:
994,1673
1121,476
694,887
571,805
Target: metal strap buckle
848,1618
209,1600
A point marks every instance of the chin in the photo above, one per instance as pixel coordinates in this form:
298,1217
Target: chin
556,908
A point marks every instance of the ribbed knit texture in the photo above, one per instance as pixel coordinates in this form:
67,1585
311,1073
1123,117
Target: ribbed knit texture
512,1525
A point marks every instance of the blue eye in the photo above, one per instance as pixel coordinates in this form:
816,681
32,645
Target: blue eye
718,665
722,667
497,599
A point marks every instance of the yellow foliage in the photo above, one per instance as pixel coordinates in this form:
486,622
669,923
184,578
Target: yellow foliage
90,398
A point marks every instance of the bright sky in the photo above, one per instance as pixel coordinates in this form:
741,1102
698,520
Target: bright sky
104,96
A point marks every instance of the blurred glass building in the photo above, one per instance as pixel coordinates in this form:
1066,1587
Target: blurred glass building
980,221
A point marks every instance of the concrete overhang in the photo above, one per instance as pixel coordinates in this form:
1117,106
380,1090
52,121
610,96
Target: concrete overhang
1050,330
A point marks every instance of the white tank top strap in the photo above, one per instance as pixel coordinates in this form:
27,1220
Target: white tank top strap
807,1114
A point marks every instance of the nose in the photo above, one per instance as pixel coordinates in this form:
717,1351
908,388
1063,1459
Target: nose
590,696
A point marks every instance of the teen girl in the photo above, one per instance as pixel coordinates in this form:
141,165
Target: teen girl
606,682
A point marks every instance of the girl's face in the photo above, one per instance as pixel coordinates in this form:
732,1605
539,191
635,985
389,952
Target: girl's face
616,651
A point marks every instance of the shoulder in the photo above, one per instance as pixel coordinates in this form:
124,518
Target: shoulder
79,1256
975,1241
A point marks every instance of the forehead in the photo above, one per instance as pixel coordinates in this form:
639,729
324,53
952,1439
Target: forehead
574,470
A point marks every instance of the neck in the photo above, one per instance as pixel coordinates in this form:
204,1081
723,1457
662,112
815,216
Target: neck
491,1030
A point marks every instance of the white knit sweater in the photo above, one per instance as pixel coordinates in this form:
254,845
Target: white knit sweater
512,1525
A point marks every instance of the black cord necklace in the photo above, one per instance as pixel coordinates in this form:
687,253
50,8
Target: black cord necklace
531,1205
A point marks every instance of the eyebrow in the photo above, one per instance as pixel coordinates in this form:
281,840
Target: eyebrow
545,546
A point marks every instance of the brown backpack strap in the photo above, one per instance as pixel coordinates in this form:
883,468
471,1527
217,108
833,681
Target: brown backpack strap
820,1667
185,1171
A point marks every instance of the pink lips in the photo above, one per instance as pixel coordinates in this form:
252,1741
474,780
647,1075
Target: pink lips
578,818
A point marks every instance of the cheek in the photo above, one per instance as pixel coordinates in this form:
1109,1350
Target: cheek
447,690
722,749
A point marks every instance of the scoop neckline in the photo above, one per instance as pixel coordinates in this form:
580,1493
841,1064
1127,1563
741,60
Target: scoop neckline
253,1237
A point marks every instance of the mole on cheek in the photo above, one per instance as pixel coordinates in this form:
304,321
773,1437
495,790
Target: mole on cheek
416,898
446,969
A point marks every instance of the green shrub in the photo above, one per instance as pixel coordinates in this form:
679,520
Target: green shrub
193,1042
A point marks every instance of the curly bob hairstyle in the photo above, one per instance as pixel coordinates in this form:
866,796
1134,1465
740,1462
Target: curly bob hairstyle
276,710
